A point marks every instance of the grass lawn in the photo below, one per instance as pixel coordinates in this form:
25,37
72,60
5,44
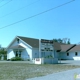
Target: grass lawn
22,71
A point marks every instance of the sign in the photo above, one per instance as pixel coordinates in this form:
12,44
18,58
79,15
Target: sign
37,59
46,41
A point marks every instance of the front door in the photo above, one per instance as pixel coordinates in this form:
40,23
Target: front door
18,54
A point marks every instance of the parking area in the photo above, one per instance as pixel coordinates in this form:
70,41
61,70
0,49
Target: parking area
64,62
69,62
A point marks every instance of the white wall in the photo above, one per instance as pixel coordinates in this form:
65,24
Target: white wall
25,55
35,52
72,56
22,43
55,54
25,52
10,54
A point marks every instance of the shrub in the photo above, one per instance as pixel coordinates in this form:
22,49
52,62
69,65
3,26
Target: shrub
16,59
28,59
49,56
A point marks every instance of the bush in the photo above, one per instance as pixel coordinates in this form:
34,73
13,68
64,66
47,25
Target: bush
28,59
49,56
16,59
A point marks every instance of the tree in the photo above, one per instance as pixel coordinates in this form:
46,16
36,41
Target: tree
60,40
55,40
64,40
3,53
68,42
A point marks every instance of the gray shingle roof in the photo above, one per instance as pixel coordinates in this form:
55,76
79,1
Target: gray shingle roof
76,48
31,41
57,46
65,47
62,46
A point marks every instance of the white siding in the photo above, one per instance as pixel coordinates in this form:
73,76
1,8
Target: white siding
25,45
35,53
26,53
14,43
10,54
55,54
72,56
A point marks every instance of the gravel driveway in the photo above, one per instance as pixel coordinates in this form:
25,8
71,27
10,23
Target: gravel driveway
65,75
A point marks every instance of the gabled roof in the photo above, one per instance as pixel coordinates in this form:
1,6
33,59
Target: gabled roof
56,46
76,48
66,47
31,41
62,47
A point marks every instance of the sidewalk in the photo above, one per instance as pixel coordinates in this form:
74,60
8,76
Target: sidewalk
65,75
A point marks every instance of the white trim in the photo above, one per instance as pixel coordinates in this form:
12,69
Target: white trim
24,42
20,39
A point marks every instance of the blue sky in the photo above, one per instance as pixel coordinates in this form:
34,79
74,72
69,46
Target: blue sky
62,22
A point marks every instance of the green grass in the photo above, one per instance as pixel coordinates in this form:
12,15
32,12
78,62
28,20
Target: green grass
22,71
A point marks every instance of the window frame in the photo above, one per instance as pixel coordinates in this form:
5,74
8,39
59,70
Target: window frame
17,40
67,53
76,53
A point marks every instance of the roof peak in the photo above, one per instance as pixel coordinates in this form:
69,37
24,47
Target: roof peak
26,37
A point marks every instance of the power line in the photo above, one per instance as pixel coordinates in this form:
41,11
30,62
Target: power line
19,9
37,14
5,3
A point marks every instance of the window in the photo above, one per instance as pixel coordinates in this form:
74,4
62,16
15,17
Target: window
67,54
20,53
42,49
16,53
17,40
45,48
76,53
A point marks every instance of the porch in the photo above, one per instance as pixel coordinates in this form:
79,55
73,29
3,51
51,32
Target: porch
18,50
